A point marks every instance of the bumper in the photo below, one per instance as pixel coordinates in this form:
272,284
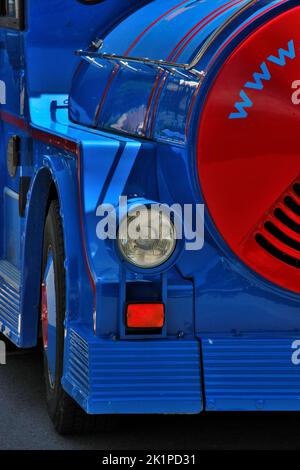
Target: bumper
251,374
109,377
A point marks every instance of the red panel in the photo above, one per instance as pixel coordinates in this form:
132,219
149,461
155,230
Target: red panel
145,315
245,165
44,308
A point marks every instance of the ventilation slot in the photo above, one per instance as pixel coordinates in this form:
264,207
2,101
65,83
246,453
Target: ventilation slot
280,232
266,245
286,220
292,205
283,237
296,189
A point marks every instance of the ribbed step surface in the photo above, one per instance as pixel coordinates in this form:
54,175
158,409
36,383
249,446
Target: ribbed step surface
134,376
9,299
251,374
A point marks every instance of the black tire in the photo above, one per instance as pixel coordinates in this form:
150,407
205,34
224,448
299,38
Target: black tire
65,413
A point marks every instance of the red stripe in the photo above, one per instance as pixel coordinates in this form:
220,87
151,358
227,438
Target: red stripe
204,22
106,90
54,140
153,24
37,134
241,29
216,15
231,3
170,58
150,99
114,72
14,120
191,109
221,50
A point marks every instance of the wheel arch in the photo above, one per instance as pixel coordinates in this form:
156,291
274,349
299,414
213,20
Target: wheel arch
54,180
43,190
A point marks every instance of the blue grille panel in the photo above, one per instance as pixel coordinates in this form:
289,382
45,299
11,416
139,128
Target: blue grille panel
107,376
246,374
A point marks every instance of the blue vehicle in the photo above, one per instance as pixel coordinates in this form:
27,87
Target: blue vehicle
167,103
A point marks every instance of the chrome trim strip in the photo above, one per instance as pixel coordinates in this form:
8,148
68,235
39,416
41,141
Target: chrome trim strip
219,31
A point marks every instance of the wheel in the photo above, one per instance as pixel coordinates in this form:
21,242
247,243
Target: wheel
67,416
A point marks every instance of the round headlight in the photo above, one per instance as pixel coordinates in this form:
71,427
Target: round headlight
147,237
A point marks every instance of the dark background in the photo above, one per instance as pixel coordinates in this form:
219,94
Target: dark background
24,423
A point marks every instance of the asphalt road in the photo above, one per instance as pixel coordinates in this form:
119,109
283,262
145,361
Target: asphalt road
24,422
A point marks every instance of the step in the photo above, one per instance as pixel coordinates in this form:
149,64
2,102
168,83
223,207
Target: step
10,282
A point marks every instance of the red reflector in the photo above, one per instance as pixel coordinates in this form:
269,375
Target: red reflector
145,315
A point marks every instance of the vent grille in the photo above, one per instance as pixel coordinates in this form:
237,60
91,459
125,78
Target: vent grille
279,233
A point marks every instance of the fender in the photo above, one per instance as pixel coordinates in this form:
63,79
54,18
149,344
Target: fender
101,183
55,172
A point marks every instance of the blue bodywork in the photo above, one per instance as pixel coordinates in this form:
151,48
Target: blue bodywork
227,341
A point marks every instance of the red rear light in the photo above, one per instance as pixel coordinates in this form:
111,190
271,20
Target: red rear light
145,316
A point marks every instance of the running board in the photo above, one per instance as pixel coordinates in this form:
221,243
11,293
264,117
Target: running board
10,282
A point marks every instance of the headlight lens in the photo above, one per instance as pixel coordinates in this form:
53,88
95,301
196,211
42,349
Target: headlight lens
147,238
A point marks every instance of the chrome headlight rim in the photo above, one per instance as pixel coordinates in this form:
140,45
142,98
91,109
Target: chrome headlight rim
155,266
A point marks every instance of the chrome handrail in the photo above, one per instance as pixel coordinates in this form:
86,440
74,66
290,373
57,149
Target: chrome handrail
158,63
171,67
